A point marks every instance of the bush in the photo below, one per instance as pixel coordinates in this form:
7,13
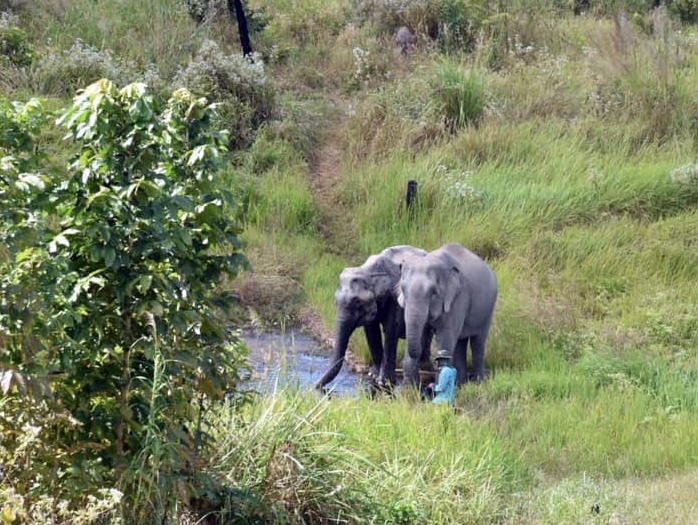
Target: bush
458,30
65,72
238,83
206,10
14,43
109,303
685,10
686,175
422,17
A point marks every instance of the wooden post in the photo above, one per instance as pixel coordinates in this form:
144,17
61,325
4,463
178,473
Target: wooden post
411,194
235,8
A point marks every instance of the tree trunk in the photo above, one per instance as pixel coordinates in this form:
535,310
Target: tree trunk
235,8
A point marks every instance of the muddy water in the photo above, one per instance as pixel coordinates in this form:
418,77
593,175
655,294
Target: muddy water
295,360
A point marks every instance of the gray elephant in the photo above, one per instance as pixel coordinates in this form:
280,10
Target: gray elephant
453,292
367,297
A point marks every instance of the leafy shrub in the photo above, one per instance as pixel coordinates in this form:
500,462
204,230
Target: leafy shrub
14,43
29,493
67,71
686,175
612,7
205,10
643,79
112,306
685,10
240,85
456,184
458,30
199,10
370,67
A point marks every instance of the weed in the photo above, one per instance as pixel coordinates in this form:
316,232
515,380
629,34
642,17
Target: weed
459,96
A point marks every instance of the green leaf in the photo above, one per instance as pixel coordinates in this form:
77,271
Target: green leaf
27,180
144,283
6,381
197,154
58,240
109,256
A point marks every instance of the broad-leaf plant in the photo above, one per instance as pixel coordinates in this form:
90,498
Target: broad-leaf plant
112,314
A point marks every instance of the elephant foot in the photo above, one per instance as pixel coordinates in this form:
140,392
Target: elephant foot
324,391
411,376
373,373
386,380
384,384
477,377
375,389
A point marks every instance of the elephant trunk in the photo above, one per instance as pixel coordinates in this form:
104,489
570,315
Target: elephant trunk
415,324
345,327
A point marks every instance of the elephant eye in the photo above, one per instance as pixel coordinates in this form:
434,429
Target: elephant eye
356,303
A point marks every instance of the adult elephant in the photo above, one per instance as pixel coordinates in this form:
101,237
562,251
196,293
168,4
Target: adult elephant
453,292
367,297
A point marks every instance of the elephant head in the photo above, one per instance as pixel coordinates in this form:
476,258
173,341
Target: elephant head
365,298
427,290
359,299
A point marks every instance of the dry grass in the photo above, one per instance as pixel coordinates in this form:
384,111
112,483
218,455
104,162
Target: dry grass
636,501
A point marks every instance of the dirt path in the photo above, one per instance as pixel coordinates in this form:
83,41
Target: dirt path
324,173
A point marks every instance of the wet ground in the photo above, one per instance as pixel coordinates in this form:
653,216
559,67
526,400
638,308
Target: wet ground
296,360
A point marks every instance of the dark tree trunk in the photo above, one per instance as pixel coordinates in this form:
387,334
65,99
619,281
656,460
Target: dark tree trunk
235,8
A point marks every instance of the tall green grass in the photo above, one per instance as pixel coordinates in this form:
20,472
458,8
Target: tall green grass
345,459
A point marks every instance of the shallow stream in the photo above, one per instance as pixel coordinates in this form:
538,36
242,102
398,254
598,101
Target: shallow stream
293,359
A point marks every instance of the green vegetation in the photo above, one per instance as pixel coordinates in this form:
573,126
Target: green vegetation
562,148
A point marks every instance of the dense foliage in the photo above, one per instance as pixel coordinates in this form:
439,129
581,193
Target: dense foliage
110,312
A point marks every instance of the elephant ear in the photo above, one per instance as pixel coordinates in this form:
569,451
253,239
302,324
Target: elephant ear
384,276
452,287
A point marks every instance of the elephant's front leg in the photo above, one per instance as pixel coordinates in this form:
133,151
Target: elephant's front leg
446,340
375,347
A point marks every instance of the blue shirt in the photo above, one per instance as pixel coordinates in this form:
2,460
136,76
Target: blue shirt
446,387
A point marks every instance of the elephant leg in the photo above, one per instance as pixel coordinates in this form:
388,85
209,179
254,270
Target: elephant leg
460,361
387,369
375,347
477,345
446,340
410,370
